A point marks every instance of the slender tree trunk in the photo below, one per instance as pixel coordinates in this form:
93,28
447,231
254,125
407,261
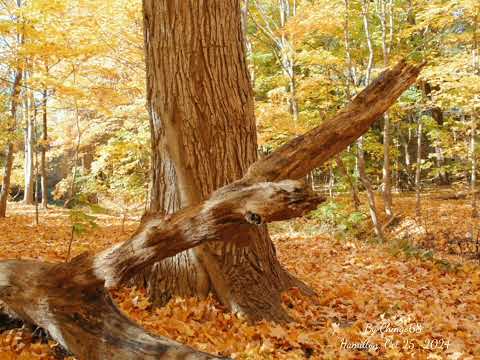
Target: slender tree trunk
203,137
418,170
28,170
473,176
331,181
10,148
353,187
473,179
385,11
346,38
35,149
377,227
288,57
294,109
43,157
437,115
360,154
248,44
387,171
283,48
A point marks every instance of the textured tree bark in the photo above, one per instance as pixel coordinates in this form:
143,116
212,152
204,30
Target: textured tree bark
70,301
10,149
203,137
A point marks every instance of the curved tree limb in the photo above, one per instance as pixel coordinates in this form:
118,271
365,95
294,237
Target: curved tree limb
71,302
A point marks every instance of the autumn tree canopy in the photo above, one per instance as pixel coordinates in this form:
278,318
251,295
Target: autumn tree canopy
171,150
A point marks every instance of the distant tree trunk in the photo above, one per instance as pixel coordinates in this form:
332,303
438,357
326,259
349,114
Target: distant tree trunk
203,137
437,115
353,187
387,171
248,44
28,170
287,55
360,153
385,12
7,173
43,158
418,170
473,176
283,48
377,227
473,179
35,148
331,181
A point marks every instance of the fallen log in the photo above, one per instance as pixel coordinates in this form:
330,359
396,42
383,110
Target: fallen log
71,301
461,195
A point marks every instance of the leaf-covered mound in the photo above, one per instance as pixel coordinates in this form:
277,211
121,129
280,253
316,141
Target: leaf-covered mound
370,302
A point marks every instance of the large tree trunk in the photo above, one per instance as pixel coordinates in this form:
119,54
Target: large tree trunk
10,148
203,137
70,300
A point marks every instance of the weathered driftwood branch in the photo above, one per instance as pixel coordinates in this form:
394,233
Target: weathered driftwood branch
70,300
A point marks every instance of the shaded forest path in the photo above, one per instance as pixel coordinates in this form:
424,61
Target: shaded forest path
361,288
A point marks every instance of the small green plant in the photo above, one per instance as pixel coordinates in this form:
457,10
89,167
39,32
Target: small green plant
335,216
82,219
410,250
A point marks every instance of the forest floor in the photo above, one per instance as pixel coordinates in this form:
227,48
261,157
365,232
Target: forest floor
398,300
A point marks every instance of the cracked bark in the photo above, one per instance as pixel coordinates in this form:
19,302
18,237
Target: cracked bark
204,137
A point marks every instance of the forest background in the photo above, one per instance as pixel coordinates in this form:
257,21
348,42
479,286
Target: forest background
80,135
82,93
